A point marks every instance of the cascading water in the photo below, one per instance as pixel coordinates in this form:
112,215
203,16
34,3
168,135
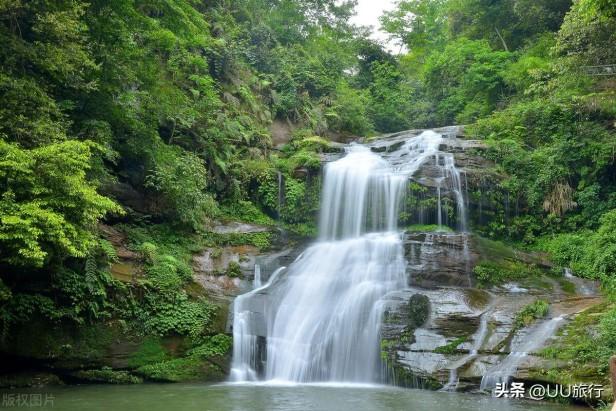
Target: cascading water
257,280
321,318
478,340
521,346
423,149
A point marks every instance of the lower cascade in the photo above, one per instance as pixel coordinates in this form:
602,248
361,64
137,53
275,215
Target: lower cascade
320,319
323,315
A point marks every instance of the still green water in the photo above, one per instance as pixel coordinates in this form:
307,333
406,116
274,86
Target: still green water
155,397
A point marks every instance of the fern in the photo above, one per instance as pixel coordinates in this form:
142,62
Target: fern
108,250
91,273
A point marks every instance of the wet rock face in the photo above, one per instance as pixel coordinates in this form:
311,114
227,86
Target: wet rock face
440,259
468,330
417,323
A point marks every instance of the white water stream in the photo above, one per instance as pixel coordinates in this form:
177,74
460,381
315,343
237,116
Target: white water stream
522,345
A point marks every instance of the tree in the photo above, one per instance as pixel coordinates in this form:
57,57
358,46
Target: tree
49,209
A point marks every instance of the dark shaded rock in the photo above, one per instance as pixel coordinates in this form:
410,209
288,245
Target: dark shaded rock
301,173
440,259
127,195
29,379
418,310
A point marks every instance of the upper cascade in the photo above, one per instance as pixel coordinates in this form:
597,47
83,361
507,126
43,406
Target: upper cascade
361,193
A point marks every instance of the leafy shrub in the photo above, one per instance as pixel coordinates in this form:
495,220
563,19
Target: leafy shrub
174,313
48,206
590,255
179,180
530,313
490,272
168,272
246,211
234,270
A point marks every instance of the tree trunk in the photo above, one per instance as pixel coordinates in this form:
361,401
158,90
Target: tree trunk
501,39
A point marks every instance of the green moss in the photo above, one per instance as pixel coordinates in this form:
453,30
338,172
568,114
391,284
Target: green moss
29,379
65,344
451,347
150,351
387,348
198,365
582,350
494,250
567,286
404,377
428,228
181,369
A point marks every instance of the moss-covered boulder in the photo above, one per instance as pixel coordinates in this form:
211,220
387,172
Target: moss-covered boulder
418,310
206,362
106,376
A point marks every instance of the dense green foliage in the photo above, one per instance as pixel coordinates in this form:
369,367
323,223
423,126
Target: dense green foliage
585,347
159,112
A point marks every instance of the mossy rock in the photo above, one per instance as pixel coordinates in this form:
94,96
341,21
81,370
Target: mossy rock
451,347
234,270
106,376
477,298
191,368
206,362
418,310
62,345
404,377
150,351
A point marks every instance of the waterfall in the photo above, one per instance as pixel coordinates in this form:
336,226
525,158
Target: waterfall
247,328
257,279
320,319
522,345
452,174
439,209
417,151
568,273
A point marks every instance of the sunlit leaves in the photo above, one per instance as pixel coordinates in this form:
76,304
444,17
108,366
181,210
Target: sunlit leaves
48,206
